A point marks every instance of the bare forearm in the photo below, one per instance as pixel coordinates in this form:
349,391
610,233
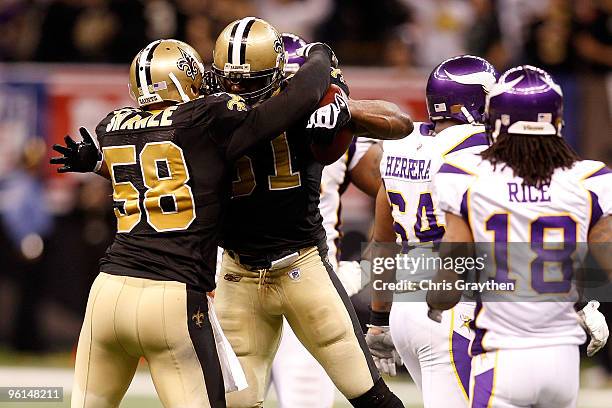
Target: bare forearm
599,239
455,244
379,119
444,299
381,248
381,275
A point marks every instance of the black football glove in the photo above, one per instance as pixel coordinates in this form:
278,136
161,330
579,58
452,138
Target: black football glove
305,50
81,157
326,121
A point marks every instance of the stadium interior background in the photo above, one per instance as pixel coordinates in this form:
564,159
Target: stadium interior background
64,64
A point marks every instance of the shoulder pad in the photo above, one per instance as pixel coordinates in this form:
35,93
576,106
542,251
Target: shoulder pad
232,101
459,137
587,169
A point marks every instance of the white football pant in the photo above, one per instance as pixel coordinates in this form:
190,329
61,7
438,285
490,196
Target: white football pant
544,377
435,354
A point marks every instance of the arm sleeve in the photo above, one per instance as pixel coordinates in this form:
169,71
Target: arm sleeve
599,185
101,128
107,123
338,79
359,147
278,113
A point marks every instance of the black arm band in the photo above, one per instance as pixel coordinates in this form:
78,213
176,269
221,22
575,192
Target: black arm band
379,318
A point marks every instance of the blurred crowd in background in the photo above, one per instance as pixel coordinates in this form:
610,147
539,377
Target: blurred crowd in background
570,38
565,36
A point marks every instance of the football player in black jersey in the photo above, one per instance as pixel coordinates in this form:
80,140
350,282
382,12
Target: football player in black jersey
275,260
169,162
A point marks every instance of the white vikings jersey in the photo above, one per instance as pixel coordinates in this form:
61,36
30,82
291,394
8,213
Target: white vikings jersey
334,181
543,226
407,167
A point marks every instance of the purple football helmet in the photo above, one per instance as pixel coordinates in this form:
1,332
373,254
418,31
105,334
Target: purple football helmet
525,101
457,88
292,43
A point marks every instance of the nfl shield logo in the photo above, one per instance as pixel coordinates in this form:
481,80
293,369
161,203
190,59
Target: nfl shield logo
294,274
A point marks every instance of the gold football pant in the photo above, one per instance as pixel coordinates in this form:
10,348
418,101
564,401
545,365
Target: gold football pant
251,305
163,321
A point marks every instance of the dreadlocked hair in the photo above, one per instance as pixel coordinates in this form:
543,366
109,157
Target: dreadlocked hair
533,158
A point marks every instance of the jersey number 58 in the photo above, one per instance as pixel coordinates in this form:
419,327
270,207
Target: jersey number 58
172,188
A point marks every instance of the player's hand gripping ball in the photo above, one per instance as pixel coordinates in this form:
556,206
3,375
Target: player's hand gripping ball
329,126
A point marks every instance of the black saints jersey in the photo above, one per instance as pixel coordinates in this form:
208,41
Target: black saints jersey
171,170
275,194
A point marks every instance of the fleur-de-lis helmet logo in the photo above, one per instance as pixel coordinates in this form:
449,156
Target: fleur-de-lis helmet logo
188,64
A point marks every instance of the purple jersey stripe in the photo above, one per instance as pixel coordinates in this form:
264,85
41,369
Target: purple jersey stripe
600,172
596,211
427,129
476,346
449,168
462,360
464,208
477,139
483,389
351,151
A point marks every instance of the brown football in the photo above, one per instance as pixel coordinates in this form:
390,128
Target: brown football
326,153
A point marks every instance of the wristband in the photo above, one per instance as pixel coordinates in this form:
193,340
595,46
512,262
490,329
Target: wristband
379,318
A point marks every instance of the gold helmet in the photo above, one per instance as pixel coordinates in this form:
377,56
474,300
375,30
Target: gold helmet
166,70
249,58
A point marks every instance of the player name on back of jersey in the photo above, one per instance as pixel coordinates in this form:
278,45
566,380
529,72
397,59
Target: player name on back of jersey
139,119
521,193
406,168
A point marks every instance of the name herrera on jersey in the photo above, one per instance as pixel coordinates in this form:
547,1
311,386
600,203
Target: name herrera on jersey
411,169
462,285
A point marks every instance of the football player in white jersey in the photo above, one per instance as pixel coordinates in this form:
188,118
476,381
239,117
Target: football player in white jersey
528,187
299,380
435,355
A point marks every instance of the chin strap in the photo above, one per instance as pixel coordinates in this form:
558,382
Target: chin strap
176,82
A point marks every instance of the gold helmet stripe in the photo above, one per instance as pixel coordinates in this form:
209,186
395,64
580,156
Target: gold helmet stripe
239,40
143,67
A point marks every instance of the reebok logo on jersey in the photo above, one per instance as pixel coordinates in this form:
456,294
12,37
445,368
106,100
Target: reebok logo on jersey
411,169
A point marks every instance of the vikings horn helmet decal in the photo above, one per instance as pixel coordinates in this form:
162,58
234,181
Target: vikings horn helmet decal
292,43
525,101
456,89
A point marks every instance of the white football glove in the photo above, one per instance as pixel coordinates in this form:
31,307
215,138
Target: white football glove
383,350
305,51
349,274
331,115
594,323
